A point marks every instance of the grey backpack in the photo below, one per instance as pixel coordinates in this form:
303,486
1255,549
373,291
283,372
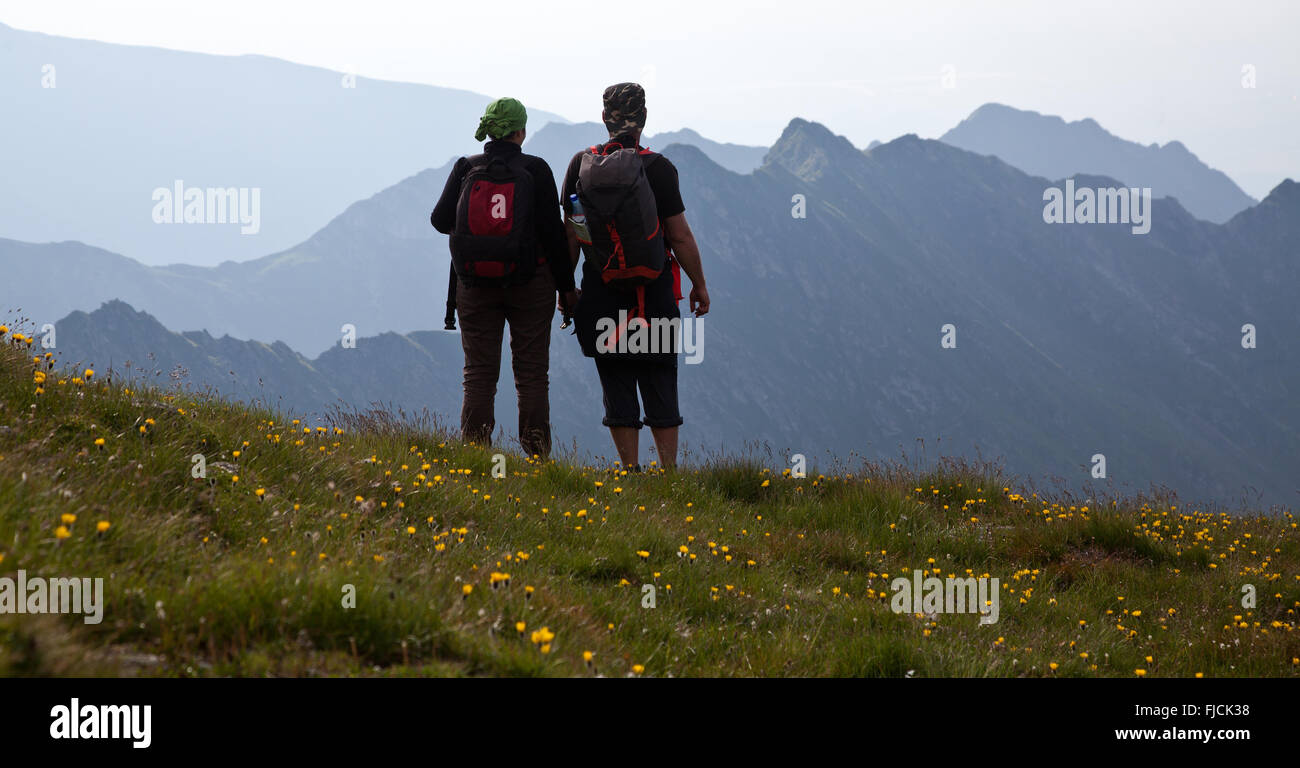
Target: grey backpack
622,218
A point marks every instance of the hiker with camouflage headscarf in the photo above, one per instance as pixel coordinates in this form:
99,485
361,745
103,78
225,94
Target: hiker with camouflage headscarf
639,245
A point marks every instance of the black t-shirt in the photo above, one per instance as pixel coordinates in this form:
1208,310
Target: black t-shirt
598,299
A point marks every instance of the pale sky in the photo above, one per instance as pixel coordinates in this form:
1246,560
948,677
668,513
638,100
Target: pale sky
1147,71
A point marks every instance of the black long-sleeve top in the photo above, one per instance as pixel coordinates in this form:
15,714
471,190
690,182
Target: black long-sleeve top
551,240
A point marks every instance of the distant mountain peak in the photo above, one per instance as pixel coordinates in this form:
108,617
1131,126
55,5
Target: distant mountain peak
1048,146
908,138
800,126
994,107
1003,114
556,144
1287,192
678,150
806,149
681,133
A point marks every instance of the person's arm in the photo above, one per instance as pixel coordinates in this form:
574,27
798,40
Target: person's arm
575,248
570,187
443,217
687,252
568,300
550,228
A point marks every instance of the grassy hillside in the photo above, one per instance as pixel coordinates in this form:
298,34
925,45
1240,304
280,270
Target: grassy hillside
756,572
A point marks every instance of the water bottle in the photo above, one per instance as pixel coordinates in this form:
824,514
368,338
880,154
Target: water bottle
579,220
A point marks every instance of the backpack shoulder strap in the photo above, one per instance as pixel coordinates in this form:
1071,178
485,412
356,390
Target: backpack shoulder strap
473,164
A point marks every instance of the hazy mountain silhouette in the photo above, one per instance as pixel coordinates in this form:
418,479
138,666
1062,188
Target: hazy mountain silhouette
1044,145
83,158
557,143
415,371
1072,340
737,158
378,265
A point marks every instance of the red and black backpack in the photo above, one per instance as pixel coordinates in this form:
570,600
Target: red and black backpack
494,235
622,218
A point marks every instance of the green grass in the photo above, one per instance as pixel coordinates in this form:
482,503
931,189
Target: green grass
789,576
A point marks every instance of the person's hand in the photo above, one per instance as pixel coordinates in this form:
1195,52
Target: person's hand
699,300
568,300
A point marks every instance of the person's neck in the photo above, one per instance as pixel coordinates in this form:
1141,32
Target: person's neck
626,139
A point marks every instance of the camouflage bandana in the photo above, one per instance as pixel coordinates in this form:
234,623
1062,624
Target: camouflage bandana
624,109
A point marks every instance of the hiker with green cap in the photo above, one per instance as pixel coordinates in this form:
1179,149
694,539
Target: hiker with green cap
501,118
637,243
509,258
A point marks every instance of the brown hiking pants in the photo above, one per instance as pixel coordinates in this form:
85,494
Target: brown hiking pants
484,311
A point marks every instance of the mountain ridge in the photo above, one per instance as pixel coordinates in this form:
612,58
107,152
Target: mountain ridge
1050,146
1070,335
262,123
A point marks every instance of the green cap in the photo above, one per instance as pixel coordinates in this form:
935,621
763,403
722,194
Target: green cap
501,118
